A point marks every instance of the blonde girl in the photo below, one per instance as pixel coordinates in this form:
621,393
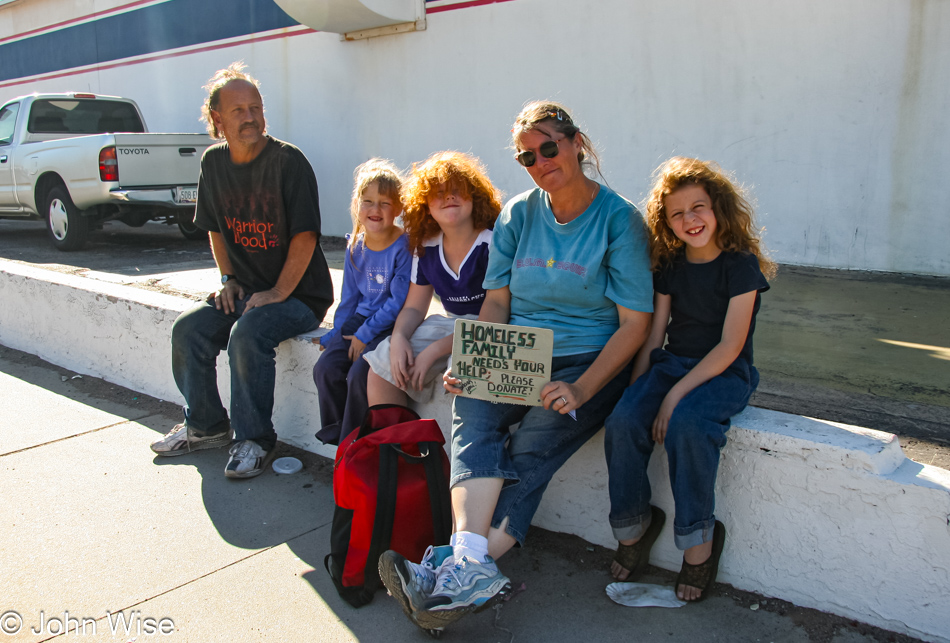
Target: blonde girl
375,284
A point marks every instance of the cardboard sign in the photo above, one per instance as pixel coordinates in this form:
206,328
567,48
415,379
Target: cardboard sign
501,362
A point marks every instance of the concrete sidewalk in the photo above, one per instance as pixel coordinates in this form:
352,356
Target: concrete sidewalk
93,523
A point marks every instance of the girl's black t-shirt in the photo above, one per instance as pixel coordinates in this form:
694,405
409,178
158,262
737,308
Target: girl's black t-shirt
700,297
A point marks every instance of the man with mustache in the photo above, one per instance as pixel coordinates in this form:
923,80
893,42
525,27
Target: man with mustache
257,198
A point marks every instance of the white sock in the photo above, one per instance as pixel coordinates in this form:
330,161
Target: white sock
465,543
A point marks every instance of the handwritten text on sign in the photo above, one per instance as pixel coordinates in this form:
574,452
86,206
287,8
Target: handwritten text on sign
501,362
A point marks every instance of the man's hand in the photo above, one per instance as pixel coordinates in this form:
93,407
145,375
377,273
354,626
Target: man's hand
224,299
356,347
258,299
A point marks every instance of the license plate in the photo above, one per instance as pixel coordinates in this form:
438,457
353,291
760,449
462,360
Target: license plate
186,195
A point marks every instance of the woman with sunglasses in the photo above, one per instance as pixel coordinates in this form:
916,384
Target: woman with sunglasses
570,255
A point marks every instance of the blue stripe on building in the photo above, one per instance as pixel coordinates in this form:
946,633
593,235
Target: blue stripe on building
169,25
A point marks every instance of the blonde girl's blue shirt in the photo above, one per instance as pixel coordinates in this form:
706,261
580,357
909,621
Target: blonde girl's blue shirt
375,285
571,277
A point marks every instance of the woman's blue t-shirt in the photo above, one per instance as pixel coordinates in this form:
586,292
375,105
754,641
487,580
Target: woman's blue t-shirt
571,277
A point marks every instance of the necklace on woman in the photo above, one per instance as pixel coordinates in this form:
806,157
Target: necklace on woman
593,195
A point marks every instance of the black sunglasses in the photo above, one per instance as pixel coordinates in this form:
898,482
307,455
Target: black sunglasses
548,149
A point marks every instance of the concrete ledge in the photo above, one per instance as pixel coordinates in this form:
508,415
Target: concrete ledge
821,514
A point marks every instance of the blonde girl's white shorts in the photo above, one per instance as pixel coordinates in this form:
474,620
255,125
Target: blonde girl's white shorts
433,328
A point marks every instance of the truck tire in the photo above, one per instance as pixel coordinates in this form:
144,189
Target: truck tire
188,228
67,228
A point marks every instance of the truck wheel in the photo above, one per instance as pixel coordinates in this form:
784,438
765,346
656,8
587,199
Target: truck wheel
67,228
188,228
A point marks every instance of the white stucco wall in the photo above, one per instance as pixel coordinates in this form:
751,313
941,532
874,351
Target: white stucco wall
831,111
820,514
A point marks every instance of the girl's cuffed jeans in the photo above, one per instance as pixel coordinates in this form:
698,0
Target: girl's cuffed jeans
694,438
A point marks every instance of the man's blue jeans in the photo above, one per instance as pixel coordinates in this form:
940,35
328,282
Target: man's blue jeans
694,438
251,340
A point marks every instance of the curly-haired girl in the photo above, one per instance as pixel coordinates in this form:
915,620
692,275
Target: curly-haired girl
709,269
450,208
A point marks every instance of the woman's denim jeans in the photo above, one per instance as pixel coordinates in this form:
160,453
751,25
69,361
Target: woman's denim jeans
483,447
251,340
694,438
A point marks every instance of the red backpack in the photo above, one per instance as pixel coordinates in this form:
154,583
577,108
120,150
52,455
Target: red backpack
390,487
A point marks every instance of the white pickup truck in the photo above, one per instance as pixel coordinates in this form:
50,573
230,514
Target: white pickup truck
77,160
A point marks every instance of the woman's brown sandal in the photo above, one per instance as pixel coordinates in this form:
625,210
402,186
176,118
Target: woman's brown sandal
634,558
703,575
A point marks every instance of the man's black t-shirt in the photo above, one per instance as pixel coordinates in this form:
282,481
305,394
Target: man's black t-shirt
258,207
700,295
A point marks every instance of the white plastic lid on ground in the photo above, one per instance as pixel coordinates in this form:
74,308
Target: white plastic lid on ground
643,595
287,466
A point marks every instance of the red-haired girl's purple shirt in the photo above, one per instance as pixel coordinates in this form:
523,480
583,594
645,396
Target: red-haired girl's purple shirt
462,293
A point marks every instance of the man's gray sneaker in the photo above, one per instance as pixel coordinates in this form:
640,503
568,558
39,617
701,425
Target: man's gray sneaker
182,439
248,459
411,583
467,586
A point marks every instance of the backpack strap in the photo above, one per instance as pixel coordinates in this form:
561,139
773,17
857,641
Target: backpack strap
383,520
439,499
382,416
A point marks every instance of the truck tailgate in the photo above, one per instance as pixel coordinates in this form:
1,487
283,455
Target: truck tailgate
154,160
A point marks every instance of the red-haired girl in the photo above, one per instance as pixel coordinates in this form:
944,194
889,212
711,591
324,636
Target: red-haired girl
450,208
